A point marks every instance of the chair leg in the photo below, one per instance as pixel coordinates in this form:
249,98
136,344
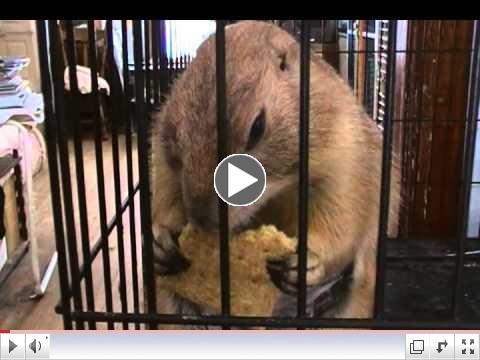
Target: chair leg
103,120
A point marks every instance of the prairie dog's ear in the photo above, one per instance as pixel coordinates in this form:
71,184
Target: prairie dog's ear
284,49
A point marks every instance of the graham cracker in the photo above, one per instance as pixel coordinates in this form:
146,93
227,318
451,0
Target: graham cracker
252,293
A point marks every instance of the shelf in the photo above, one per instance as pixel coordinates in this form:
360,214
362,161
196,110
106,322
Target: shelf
7,163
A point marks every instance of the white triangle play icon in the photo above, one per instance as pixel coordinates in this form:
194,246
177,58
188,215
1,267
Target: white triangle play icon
238,180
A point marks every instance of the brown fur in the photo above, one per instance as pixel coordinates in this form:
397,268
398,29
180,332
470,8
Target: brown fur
345,152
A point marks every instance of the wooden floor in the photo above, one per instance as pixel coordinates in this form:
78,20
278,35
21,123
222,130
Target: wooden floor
17,310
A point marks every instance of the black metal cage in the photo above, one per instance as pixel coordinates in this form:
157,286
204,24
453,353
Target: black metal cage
129,108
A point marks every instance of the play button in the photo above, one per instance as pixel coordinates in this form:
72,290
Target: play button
240,180
11,346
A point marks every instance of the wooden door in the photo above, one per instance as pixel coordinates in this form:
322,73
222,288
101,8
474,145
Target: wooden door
433,124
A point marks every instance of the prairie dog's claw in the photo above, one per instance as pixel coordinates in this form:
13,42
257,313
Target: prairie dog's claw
168,260
284,272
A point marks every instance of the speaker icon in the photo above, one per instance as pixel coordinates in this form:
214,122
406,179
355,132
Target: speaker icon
35,346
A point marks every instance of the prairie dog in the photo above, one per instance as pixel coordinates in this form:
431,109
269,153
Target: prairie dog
263,77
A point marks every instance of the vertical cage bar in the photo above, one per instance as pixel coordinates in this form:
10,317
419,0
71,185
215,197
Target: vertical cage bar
114,116
351,53
324,28
171,72
59,93
366,72
51,143
79,166
406,177
145,206
222,152
163,62
148,73
378,34
478,234
386,171
98,118
155,55
467,169
303,167
128,145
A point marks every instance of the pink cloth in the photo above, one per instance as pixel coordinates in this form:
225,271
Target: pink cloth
29,143
84,80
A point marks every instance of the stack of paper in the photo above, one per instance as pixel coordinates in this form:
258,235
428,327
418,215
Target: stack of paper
16,97
9,66
13,90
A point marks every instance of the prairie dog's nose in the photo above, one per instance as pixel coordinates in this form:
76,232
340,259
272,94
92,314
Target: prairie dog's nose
203,213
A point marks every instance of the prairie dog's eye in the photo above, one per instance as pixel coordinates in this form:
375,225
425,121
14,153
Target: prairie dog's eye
257,130
172,157
283,62
170,147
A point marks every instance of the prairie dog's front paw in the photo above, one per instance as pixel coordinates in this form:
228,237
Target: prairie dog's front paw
284,272
167,257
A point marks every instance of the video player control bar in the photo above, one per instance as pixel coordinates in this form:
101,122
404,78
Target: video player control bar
278,345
